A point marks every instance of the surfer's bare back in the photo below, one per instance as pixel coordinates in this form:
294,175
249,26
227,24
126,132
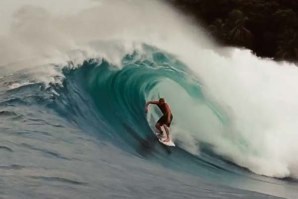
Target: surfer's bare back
166,119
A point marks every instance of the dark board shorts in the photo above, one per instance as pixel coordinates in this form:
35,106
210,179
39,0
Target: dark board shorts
163,120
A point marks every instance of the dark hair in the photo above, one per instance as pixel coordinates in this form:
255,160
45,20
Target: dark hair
161,99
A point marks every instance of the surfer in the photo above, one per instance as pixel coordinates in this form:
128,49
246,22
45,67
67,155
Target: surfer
165,120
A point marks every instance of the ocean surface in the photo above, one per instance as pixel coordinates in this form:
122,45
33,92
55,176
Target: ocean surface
73,121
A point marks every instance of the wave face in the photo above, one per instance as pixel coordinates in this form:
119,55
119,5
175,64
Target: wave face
117,95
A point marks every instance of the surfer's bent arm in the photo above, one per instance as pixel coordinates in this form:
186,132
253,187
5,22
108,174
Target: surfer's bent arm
150,102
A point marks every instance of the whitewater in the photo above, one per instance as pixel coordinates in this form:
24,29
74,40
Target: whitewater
74,81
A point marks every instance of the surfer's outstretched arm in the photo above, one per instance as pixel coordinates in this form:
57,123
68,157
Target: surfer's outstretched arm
150,102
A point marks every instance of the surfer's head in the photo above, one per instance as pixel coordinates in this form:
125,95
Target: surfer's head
162,100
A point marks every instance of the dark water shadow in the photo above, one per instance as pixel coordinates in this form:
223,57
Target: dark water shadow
146,145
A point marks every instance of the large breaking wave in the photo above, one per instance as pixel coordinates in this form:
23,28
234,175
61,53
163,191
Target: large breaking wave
233,113
119,94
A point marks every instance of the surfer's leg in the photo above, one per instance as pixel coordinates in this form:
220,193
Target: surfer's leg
159,124
158,127
167,129
167,132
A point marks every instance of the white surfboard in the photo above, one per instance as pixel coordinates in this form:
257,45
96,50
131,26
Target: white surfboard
169,143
